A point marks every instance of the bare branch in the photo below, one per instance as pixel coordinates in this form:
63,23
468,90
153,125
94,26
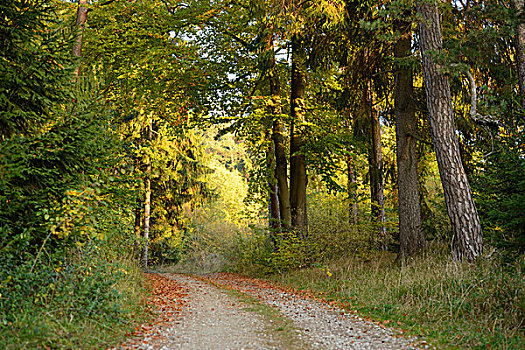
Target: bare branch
106,3
477,117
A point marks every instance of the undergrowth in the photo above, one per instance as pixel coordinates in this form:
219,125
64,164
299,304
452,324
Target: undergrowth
82,300
452,304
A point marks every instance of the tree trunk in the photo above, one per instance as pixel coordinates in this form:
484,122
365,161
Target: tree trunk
520,49
467,242
138,229
80,22
298,178
147,214
273,200
375,159
281,164
281,171
411,238
147,201
352,192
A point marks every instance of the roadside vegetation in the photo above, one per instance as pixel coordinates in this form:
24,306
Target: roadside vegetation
450,304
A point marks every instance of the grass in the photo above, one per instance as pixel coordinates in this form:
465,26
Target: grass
84,307
451,304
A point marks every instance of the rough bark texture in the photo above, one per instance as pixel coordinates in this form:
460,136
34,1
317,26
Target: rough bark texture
80,22
520,49
298,178
467,242
375,159
281,164
411,238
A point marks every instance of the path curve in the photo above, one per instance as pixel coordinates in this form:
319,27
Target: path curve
200,316
320,324
192,313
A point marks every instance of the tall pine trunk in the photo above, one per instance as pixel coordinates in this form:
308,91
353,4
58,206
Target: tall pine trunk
375,159
411,238
467,242
298,178
520,49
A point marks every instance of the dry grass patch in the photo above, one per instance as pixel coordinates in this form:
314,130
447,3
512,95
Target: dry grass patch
453,304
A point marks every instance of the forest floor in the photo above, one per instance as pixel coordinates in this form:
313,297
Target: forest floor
229,311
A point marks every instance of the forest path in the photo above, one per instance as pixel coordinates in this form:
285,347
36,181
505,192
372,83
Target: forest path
228,311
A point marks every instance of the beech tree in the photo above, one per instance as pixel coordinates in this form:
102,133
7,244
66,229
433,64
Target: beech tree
467,242
298,177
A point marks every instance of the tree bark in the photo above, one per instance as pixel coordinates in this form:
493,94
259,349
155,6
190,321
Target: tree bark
147,201
375,159
138,229
298,178
281,171
273,200
80,22
520,49
352,192
467,242
411,238
281,164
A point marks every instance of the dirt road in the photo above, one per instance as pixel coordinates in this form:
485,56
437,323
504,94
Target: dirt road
227,311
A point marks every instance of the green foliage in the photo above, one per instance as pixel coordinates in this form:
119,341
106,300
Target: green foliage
36,66
330,236
64,194
84,300
500,185
67,151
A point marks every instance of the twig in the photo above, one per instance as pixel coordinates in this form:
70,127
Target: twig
40,251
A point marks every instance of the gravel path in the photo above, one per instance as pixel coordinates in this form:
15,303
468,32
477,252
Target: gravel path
192,313
319,324
200,316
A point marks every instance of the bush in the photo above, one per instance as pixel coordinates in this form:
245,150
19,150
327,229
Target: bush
83,301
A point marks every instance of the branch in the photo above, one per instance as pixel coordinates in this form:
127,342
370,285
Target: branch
477,117
106,3
225,31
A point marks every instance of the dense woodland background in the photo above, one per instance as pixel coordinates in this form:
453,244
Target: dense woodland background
319,140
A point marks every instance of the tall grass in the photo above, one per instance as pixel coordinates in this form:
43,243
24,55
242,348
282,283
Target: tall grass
85,301
453,304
